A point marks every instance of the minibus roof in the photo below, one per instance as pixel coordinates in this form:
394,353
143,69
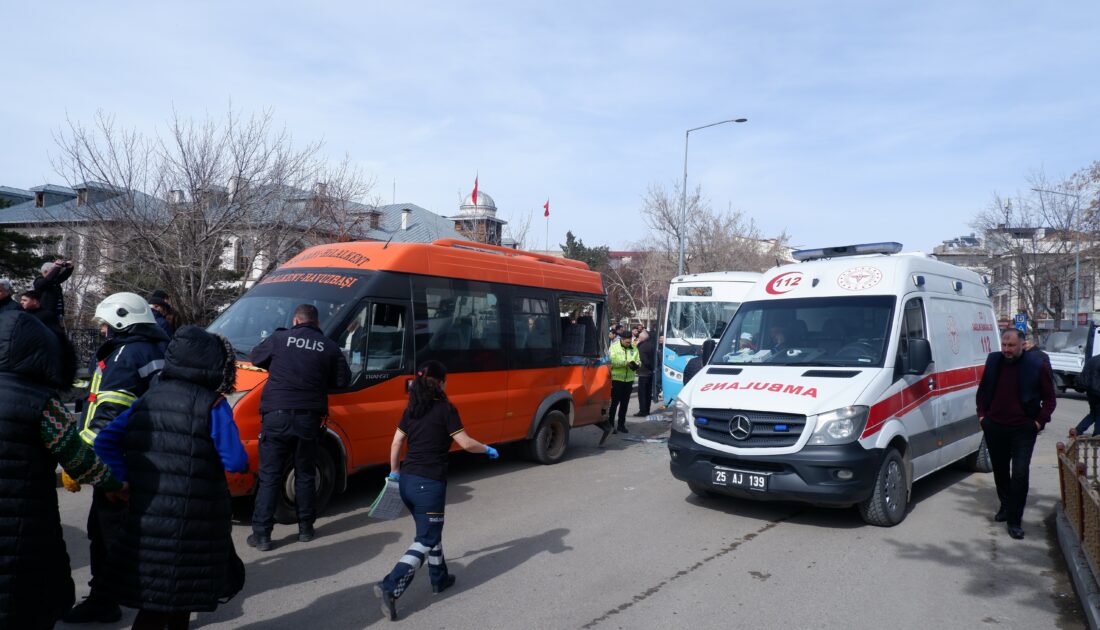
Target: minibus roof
453,258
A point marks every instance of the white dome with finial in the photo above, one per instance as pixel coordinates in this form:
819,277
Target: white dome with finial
485,206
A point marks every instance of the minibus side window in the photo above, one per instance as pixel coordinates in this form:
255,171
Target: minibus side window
458,323
582,333
374,339
912,327
533,331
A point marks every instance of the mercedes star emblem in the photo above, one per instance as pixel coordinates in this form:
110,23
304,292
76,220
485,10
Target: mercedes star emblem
740,427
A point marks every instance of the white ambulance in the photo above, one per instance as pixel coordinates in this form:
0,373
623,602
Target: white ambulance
840,381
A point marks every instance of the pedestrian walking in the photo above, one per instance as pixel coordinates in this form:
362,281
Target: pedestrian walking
6,301
125,365
48,285
697,362
37,434
1090,381
1014,401
624,364
428,426
174,554
303,366
647,351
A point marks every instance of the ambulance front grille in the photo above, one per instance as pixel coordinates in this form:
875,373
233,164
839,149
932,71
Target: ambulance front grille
769,430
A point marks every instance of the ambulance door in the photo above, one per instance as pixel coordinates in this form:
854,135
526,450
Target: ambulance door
962,335
918,412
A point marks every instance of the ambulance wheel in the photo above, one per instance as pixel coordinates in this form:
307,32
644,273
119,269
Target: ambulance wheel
888,503
978,461
285,511
551,440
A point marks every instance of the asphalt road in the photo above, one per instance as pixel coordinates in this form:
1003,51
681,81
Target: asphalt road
608,539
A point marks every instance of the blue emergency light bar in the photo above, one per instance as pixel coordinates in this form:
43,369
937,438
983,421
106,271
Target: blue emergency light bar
803,255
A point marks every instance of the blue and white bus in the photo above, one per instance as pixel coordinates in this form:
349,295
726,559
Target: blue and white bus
699,307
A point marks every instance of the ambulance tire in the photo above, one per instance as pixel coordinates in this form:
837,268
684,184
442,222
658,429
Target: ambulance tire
285,512
551,440
979,461
889,502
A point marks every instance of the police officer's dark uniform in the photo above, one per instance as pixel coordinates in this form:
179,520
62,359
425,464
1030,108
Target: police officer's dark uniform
302,366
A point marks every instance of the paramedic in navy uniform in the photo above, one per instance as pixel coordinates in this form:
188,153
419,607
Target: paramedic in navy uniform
303,365
429,424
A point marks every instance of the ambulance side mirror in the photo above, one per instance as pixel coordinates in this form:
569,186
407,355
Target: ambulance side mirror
920,356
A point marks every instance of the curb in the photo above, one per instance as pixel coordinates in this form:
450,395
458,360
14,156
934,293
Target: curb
1088,591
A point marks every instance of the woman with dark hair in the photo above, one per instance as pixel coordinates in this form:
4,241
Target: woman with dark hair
174,554
429,424
36,434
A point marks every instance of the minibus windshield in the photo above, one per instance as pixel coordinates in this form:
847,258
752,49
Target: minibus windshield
836,331
270,304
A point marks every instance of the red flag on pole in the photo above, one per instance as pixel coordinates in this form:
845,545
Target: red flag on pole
474,196
547,206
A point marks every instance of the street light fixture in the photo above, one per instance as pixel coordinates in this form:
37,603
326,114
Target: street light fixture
1077,241
683,192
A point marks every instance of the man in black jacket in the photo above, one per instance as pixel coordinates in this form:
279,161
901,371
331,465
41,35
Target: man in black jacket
1015,400
6,301
646,354
48,286
303,365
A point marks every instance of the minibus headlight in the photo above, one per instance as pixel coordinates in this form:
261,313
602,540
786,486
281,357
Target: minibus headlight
236,397
681,416
839,426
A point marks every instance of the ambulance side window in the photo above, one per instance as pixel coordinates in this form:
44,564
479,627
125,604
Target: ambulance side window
912,327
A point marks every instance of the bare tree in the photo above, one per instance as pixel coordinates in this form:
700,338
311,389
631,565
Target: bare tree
518,229
204,207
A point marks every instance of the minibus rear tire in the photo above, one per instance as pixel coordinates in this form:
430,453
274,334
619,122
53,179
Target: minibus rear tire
551,440
285,512
889,501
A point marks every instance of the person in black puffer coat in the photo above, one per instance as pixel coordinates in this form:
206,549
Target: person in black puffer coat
175,554
37,433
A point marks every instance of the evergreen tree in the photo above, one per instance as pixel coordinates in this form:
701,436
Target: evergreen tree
18,259
595,257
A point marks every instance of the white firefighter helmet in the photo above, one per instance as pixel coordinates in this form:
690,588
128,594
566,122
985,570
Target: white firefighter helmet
122,310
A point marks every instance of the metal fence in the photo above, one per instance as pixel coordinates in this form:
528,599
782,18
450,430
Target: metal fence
1079,478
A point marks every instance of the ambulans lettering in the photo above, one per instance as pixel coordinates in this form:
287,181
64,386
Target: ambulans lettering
779,388
305,344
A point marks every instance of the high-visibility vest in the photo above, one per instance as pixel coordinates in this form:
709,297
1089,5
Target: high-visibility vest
97,398
620,356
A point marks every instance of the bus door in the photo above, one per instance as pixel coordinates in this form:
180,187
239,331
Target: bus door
584,353
460,324
377,345
535,365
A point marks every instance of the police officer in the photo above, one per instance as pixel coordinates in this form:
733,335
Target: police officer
125,366
302,366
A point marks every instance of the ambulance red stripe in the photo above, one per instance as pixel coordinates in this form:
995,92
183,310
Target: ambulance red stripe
918,393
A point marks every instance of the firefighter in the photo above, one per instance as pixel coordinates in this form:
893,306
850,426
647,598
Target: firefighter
125,366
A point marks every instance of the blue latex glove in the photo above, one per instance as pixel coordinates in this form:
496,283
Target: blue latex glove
394,476
492,452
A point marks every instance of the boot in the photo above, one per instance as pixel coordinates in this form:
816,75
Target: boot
260,541
94,608
622,427
445,584
306,532
389,602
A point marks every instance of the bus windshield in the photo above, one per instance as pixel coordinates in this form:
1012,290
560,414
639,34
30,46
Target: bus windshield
271,303
831,331
696,322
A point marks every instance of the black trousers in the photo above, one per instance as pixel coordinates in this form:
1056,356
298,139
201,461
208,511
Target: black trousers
105,521
620,400
287,436
645,393
1090,419
1010,449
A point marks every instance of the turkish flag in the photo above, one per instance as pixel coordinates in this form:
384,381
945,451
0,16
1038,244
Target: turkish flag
547,206
474,196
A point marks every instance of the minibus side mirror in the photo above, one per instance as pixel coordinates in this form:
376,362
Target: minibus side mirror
920,355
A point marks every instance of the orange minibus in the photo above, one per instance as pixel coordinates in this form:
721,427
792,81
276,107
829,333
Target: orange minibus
519,333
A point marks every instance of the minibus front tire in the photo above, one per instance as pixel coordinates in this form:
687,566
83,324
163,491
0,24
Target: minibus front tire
285,512
551,440
889,501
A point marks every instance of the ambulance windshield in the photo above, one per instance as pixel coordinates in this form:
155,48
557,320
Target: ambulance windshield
832,331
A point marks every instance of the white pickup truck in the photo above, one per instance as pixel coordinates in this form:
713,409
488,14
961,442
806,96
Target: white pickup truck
1068,353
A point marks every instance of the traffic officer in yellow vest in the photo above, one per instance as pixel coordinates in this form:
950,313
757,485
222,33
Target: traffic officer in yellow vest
124,368
624,363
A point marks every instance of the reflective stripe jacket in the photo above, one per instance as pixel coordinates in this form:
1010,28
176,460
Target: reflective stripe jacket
125,366
620,357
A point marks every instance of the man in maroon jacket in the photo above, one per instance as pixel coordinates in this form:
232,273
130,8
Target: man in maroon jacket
1015,400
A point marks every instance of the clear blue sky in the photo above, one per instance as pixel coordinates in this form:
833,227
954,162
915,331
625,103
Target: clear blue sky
867,120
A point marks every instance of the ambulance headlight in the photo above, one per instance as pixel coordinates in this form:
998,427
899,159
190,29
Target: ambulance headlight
839,426
681,416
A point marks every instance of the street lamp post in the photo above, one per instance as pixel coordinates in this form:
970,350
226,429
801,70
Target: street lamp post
1077,243
683,192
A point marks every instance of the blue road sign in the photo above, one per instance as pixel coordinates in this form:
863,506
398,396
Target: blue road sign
1021,322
